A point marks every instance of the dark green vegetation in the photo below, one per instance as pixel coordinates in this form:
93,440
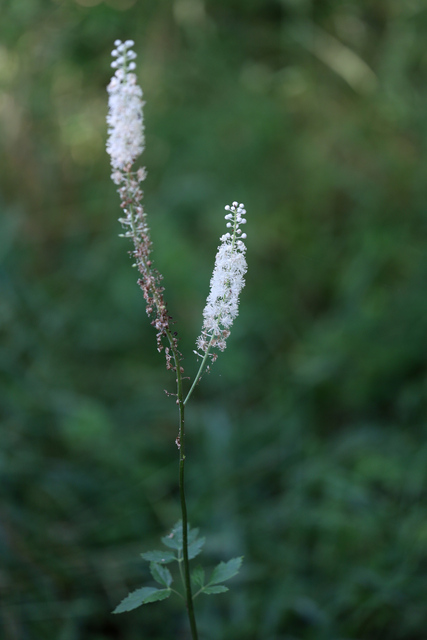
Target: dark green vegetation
307,447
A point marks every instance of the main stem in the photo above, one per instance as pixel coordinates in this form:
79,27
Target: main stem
181,445
189,597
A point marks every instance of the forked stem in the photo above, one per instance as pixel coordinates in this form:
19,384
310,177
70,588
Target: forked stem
199,373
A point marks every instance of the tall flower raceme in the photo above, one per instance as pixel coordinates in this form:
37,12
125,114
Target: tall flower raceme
125,144
125,119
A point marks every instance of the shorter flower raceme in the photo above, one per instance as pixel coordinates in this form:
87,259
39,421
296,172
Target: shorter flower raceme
222,305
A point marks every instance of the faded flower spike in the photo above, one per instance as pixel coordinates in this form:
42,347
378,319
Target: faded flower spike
125,120
222,305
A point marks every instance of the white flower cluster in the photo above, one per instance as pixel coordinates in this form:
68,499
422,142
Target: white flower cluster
226,283
125,120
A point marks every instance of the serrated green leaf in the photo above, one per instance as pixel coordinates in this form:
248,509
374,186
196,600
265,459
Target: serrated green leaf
175,540
192,535
225,570
198,576
195,547
219,588
161,594
162,557
140,597
161,574
171,542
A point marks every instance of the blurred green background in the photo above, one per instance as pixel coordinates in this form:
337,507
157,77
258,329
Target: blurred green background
307,448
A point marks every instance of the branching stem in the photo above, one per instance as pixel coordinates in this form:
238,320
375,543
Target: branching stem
199,373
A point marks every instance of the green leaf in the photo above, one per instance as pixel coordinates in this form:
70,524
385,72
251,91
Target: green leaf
219,588
198,576
161,574
192,535
161,594
140,597
195,547
162,557
175,540
172,542
225,570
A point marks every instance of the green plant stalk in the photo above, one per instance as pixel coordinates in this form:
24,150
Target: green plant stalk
181,573
199,373
181,445
189,597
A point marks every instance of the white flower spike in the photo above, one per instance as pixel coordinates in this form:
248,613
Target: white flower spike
125,119
125,144
222,305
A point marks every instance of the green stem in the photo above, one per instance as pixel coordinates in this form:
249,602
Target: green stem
189,598
181,573
181,444
199,373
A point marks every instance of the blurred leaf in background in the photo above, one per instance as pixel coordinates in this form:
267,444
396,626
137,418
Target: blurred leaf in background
307,445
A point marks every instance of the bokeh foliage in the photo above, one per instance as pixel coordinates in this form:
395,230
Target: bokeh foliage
307,446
